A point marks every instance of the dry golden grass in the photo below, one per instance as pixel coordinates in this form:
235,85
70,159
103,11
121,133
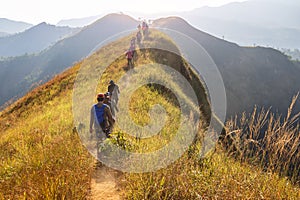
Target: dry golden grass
267,140
41,154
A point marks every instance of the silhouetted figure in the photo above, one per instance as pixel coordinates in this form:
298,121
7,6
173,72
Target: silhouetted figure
133,47
145,28
111,104
114,91
139,28
139,38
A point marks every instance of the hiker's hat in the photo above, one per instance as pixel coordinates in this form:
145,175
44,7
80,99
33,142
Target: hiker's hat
100,96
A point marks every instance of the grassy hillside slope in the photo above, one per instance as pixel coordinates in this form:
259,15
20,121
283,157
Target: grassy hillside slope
42,156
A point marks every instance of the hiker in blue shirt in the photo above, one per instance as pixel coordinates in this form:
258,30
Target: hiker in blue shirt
101,119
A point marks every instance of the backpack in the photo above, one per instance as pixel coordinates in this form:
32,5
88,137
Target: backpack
129,55
138,37
132,47
99,115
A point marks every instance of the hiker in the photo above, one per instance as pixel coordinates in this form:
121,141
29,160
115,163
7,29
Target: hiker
139,27
107,101
132,47
132,42
139,38
145,28
129,56
101,119
114,91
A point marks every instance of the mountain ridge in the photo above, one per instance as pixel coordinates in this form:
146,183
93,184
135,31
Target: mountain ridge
244,71
274,23
78,22
33,40
11,26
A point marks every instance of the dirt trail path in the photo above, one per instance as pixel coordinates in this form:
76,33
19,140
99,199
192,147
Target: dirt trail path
103,184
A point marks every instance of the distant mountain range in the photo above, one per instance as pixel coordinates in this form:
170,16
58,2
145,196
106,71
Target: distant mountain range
8,26
20,74
33,40
272,23
269,13
269,23
79,22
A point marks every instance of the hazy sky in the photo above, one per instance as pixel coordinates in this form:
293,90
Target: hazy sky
51,11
